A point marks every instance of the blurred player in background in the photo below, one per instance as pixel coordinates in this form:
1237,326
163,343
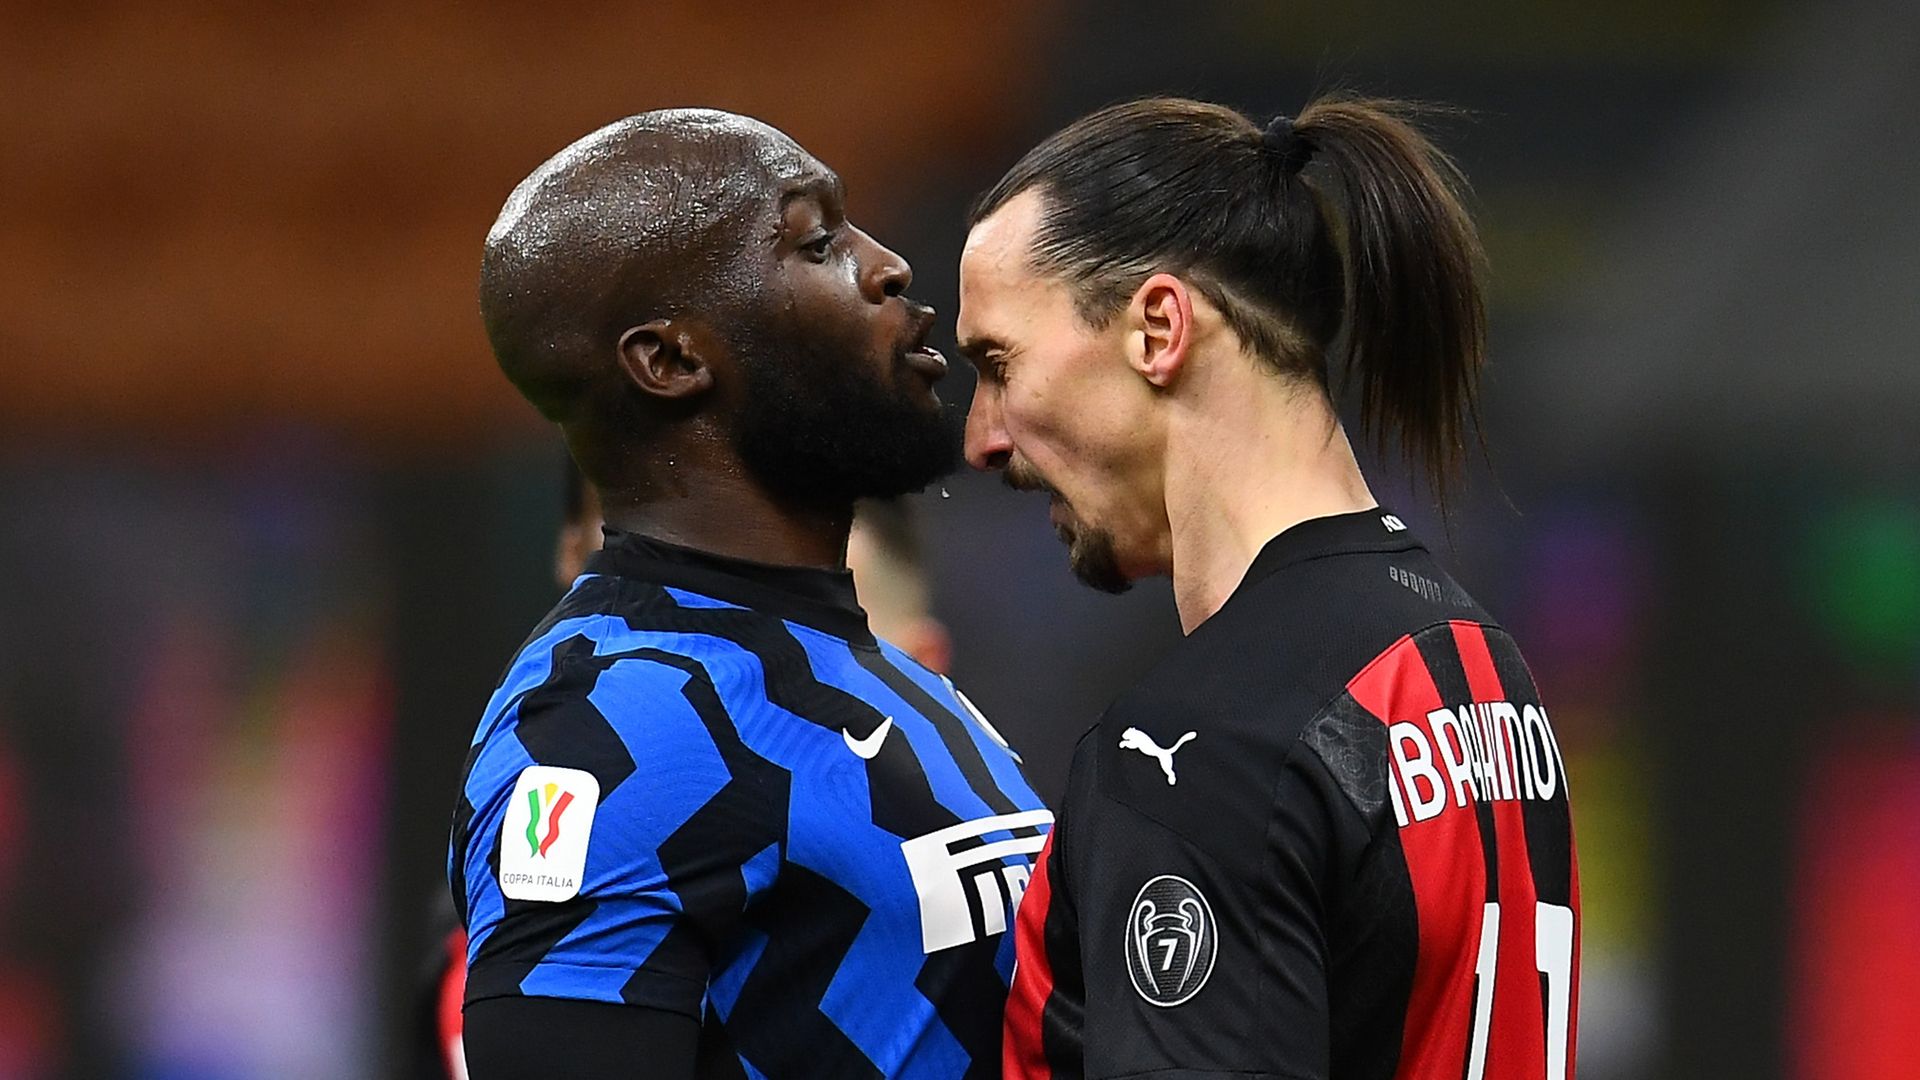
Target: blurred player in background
710,825
580,527
1328,836
884,555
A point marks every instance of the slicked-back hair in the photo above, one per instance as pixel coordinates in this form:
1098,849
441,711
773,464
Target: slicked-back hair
1367,250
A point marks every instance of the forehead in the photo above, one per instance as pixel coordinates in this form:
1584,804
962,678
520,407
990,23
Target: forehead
996,277
781,170
731,163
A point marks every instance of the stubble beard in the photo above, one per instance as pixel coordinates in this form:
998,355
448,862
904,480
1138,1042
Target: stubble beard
817,430
1092,552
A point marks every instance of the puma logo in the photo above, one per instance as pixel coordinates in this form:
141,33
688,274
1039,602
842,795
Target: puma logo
1135,739
868,747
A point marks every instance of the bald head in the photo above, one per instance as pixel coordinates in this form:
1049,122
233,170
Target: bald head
647,218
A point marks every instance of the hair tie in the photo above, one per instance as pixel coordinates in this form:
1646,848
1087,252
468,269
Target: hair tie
1289,147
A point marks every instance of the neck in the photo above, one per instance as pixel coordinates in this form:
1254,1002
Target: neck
1249,456
718,507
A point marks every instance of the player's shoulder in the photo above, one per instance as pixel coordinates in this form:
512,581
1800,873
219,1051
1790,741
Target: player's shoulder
614,647
1295,632
1242,714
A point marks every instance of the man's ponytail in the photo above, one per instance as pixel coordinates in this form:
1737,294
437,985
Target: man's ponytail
1414,323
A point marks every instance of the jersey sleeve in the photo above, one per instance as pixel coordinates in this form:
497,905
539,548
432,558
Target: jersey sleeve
1203,907
613,846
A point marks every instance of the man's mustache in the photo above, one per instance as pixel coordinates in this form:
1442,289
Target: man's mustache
1021,476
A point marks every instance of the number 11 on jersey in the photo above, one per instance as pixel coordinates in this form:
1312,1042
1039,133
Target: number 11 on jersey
1553,958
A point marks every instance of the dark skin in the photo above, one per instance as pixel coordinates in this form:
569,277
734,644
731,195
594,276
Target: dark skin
676,474
629,289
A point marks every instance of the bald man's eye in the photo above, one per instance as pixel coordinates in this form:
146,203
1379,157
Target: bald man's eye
820,248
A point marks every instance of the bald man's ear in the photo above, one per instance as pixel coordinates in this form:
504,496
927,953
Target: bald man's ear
667,360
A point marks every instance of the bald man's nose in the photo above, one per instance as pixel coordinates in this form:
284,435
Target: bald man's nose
988,445
885,274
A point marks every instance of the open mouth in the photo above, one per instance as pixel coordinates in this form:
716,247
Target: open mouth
928,361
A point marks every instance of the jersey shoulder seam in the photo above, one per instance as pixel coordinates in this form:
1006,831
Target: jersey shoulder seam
1320,713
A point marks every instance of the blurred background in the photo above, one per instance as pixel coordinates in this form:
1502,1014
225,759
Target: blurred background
273,521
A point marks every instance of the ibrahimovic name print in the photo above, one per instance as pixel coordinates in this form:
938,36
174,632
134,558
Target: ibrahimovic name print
1490,751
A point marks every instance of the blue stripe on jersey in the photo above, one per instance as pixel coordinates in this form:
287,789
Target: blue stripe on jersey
695,600
731,974
759,873
676,771
1006,772
531,666
833,664
491,777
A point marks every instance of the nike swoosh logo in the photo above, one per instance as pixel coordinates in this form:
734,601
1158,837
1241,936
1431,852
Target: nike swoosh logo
869,746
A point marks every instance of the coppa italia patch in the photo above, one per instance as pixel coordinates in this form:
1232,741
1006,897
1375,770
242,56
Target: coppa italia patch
543,841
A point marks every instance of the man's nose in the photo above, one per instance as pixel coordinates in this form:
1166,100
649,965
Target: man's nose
988,445
885,273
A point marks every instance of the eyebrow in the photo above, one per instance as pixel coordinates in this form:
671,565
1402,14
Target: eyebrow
824,188
975,349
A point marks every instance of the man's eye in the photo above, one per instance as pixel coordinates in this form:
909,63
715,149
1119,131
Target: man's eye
997,369
818,249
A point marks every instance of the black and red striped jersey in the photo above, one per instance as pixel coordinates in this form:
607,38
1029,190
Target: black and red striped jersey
1327,837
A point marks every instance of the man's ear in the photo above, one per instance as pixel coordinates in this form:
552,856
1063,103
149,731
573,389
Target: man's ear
668,360
1160,329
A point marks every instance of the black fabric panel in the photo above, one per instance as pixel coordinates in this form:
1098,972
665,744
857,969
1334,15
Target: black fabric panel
1063,1017
546,1038
461,835
903,802
703,857
527,931
954,731
1373,924
967,992
1442,655
1549,822
1375,941
718,1058
1352,744
559,726
777,1023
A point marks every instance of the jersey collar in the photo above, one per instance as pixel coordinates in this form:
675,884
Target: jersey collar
1376,530
822,599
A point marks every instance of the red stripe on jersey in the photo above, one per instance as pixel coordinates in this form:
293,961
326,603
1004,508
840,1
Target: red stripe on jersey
1446,871
453,990
1477,659
1023,1050
1518,1045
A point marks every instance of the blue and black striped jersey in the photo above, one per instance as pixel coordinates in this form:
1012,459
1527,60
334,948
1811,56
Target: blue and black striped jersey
704,786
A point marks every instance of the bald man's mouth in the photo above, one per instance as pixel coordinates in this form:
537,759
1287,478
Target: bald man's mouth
923,358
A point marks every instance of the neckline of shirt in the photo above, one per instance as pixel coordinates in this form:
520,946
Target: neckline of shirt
1378,529
822,599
